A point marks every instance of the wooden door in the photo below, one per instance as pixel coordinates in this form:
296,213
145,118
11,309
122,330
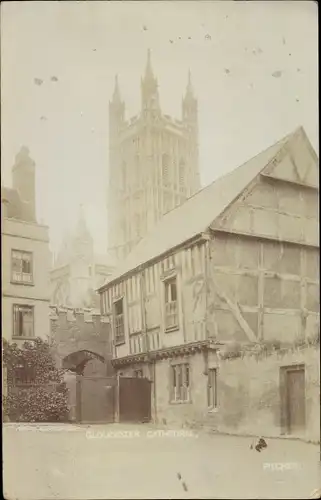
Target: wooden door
295,386
95,399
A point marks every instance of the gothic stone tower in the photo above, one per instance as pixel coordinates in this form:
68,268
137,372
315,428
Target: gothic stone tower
153,163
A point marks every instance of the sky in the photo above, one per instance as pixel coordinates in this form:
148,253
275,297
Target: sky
254,69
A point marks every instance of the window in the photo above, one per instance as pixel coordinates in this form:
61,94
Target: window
180,386
119,322
23,321
165,169
212,388
21,265
124,175
181,175
171,309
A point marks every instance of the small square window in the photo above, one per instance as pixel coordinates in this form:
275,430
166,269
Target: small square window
21,267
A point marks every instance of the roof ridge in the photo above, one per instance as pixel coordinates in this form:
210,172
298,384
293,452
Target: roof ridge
284,139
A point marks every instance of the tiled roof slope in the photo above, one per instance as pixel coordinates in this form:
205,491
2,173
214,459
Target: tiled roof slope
197,213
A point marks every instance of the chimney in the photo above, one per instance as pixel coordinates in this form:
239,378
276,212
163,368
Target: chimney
24,181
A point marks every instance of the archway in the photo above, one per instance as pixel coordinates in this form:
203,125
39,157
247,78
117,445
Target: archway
78,361
91,391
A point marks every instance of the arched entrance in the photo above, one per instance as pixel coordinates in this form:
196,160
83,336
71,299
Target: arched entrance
80,361
91,392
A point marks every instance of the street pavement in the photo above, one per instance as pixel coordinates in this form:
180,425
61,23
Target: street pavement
127,461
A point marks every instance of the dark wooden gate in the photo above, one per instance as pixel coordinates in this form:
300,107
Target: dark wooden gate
294,399
95,399
134,399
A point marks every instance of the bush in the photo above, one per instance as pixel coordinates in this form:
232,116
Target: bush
36,404
36,391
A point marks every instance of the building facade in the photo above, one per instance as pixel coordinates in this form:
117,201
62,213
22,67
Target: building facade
77,271
237,264
153,163
25,257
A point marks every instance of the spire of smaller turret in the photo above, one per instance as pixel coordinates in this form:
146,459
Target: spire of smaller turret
149,86
189,103
149,70
116,94
189,88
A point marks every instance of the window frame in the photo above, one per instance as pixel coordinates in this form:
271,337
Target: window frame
167,281
120,340
14,334
16,281
212,402
180,393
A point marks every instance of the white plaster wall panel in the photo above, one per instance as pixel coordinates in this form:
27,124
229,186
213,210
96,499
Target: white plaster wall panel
264,223
311,232
152,307
285,327
226,283
242,221
310,203
285,170
312,259
224,251
248,253
289,199
264,194
228,328
247,290
290,228
312,326
313,297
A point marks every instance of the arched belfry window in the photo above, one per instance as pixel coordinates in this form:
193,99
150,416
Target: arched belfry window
137,169
181,174
165,168
124,175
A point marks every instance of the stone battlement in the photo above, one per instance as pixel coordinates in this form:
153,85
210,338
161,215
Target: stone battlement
72,314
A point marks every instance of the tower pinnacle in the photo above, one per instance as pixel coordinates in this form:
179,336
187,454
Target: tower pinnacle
116,94
150,99
149,71
189,88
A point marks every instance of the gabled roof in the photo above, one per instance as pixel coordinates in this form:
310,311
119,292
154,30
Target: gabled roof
197,213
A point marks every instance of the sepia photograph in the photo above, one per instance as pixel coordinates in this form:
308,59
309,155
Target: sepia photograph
160,250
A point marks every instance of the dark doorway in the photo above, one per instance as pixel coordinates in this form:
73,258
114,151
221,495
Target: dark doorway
293,396
95,399
134,399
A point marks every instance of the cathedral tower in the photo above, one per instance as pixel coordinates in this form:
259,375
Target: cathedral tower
153,163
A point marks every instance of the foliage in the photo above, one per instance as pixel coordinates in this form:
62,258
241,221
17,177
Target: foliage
232,351
31,363
37,404
36,391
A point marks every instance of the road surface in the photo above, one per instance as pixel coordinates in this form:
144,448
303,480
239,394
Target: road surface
119,461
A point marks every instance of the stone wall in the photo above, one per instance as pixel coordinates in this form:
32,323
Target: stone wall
81,330
248,392
249,400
